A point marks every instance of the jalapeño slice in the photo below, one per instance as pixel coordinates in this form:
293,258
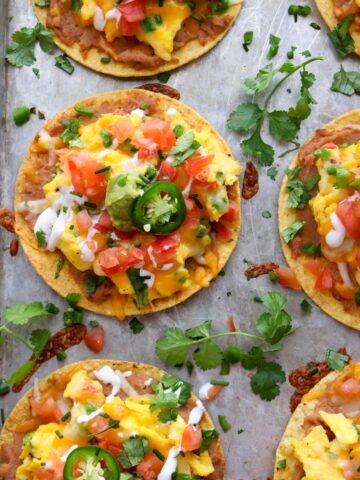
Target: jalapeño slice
91,462
160,210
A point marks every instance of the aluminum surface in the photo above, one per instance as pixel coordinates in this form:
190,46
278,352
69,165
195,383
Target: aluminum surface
211,86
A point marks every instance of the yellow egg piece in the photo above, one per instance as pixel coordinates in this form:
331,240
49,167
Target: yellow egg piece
343,428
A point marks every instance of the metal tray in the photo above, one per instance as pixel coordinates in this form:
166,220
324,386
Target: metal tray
211,86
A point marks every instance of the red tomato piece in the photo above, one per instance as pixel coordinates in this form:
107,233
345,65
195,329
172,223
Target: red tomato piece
222,233
133,11
149,467
312,266
348,212
349,388
147,148
83,221
196,167
167,172
160,132
164,249
114,449
232,213
114,259
324,279
214,391
104,224
95,339
125,235
330,146
97,424
45,474
192,220
123,130
287,278
84,179
191,439
46,409
128,29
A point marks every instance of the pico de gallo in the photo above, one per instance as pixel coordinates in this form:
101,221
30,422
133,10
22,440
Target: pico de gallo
109,423
323,194
138,203
140,33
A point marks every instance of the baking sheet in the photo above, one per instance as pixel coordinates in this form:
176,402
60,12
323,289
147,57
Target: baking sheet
211,86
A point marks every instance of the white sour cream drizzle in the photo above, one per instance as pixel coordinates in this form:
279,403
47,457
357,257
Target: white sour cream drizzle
115,14
335,238
171,112
151,256
87,418
204,391
52,221
107,375
148,281
170,465
71,449
148,382
187,189
140,113
344,272
88,254
129,164
196,413
99,19
167,266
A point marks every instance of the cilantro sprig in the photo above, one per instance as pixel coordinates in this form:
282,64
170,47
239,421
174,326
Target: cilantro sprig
21,50
284,125
22,314
177,345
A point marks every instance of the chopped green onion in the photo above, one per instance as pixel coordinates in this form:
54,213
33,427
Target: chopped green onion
21,115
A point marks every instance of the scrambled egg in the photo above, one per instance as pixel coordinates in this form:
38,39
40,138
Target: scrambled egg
323,459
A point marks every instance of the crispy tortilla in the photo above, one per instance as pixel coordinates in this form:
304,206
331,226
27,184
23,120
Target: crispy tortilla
191,51
326,8
323,298
295,430
21,412
45,262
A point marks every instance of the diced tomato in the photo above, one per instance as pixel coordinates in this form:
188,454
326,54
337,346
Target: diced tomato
123,130
147,148
160,132
222,233
46,409
231,324
196,167
95,339
192,220
312,266
348,212
114,259
83,221
114,449
133,11
232,213
164,249
191,439
330,146
214,391
167,172
128,29
348,388
125,235
104,223
149,467
324,279
97,424
45,474
84,179
287,278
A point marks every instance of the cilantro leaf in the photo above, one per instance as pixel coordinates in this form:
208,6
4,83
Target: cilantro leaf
290,232
347,83
136,326
208,356
282,126
335,360
21,50
200,331
39,338
135,449
341,38
257,147
183,143
266,380
261,82
244,117
172,348
274,46
22,313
